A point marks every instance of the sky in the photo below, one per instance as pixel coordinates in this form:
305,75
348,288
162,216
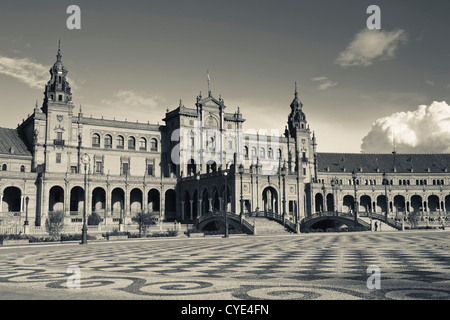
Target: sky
362,90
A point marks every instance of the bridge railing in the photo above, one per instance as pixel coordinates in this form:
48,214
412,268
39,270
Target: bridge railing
389,221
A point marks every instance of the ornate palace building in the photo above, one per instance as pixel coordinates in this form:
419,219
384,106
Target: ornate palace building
201,156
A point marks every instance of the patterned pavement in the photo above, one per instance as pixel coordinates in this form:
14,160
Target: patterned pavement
413,265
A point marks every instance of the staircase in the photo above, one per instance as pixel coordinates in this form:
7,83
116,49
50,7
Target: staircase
265,226
384,226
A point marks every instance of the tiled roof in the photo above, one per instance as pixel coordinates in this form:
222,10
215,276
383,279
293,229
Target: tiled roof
10,138
373,163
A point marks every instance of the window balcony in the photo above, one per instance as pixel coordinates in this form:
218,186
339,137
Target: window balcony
59,142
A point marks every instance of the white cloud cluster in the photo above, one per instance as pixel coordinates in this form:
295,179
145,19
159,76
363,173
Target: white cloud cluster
324,83
425,130
370,45
25,70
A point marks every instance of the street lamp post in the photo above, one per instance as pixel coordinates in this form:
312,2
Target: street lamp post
333,183
226,204
354,176
385,194
25,227
241,172
283,174
85,159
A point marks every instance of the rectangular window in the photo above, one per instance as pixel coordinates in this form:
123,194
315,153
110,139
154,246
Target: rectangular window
73,169
99,167
125,168
58,158
150,170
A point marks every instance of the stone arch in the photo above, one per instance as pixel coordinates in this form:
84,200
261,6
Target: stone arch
215,199
318,200
12,197
153,200
77,199
98,200
56,199
117,200
399,203
330,202
416,204
136,200
170,207
205,202
348,203
433,203
381,203
365,204
270,199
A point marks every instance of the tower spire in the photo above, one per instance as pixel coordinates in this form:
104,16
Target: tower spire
296,91
58,55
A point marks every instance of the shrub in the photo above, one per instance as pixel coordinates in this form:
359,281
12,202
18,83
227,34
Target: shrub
94,219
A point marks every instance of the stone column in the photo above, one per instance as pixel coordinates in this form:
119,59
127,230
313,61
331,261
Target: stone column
182,210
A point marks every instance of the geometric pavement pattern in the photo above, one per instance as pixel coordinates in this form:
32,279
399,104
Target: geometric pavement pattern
413,265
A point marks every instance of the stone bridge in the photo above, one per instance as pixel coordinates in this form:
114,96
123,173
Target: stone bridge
324,220
216,221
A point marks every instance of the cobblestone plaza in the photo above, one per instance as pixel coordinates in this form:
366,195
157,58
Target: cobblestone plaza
413,265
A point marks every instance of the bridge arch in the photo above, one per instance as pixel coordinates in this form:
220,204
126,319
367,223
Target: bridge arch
332,220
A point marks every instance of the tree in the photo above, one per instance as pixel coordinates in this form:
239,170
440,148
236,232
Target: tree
54,223
144,220
94,219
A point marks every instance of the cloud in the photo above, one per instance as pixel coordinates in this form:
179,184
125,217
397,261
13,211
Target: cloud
130,105
429,82
27,71
425,130
324,83
370,45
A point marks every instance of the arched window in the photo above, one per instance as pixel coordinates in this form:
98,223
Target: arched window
96,140
131,143
22,168
4,167
108,141
270,153
120,142
142,144
280,155
154,145
253,152
246,152
262,153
